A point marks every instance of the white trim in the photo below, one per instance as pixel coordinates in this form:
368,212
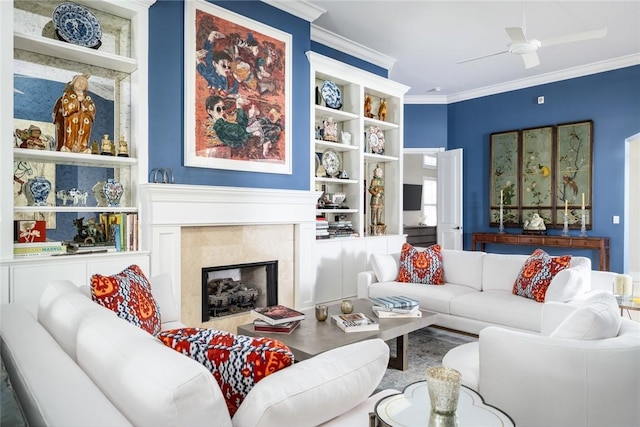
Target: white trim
335,41
300,8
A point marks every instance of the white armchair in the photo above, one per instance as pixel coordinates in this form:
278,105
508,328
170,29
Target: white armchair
549,380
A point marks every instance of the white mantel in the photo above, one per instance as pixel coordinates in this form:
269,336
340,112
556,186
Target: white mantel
166,208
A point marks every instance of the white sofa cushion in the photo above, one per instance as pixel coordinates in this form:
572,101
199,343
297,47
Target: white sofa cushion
597,318
431,297
385,266
570,282
151,384
500,271
163,294
316,390
463,267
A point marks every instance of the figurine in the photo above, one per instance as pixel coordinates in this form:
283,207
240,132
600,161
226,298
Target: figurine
345,137
95,148
367,107
376,189
536,223
73,115
123,148
330,131
106,146
382,110
31,138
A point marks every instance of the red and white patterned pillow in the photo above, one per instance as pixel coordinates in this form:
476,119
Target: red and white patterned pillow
237,362
536,274
421,266
128,294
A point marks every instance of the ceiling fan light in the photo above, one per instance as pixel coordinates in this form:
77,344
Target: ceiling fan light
523,48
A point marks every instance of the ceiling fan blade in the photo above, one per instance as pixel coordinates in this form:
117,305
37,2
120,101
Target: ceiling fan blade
516,34
481,57
530,59
576,37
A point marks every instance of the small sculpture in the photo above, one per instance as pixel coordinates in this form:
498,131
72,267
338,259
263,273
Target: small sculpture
367,107
31,138
95,148
345,137
382,110
330,130
123,148
535,223
106,146
73,115
376,189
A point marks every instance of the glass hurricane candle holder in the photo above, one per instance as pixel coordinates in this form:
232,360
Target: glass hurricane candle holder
565,228
583,224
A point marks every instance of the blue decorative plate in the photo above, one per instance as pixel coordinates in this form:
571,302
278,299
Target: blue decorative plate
331,94
77,25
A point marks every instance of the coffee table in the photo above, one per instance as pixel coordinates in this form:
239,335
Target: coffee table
313,337
413,408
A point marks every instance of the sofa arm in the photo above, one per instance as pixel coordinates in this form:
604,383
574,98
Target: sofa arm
365,279
316,390
553,313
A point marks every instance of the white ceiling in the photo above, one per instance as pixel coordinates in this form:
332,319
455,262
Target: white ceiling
427,37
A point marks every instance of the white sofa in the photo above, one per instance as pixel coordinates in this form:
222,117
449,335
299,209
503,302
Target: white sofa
581,370
478,289
75,363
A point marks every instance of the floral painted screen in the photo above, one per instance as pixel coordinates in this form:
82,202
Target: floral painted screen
505,177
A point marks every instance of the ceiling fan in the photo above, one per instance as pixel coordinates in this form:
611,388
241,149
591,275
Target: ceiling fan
527,48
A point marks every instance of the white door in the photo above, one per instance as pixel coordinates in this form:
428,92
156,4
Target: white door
450,199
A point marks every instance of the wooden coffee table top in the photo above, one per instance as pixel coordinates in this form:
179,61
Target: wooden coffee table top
313,337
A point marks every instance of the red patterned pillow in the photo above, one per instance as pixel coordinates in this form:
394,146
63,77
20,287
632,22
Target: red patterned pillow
237,362
536,274
421,266
128,293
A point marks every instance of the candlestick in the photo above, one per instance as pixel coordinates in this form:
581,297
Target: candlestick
501,196
565,229
566,207
582,201
583,226
501,228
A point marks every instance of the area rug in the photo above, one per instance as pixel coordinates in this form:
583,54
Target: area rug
427,347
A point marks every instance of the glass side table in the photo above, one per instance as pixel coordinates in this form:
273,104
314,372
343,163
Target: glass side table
412,408
628,305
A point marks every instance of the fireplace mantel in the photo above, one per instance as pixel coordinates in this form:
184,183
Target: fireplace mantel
166,208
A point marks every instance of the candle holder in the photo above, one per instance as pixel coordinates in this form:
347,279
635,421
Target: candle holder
565,228
501,228
583,226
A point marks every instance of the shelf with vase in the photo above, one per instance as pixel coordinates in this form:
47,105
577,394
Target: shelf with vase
96,209
73,159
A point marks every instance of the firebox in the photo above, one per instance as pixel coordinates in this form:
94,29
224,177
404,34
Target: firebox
231,289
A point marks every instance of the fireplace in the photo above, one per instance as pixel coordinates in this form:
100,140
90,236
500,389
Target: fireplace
238,288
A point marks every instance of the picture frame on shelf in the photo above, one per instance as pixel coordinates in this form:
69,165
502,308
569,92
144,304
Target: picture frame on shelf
238,105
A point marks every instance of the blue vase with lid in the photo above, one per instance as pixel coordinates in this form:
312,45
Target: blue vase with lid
40,188
113,191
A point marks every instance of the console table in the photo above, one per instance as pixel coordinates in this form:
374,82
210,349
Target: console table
600,244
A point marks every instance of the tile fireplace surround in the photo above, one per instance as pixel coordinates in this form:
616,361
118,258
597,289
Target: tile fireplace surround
188,227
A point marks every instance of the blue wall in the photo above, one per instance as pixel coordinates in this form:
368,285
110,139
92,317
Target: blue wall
166,92
425,126
611,100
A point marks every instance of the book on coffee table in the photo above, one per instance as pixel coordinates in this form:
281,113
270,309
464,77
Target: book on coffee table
277,314
396,313
356,322
395,303
282,328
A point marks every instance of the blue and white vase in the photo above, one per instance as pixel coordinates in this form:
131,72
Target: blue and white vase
113,190
40,188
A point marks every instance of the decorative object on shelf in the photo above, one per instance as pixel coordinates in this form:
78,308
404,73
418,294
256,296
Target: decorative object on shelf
367,107
376,140
113,191
345,137
338,199
346,306
106,146
123,147
382,110
331,162
376,189
583,221
89,232
318,96
321,172
322,312
30,231
330,130
98,193
77,25
95,147
40,187
331,94
534,225
73,115
32,138
161,175
343,174
77,197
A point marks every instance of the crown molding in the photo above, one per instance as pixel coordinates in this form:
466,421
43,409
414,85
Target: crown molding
569,73
335,41
300,8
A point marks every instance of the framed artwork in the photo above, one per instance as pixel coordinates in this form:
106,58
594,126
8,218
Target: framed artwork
504,181
536,177
574,163
237,92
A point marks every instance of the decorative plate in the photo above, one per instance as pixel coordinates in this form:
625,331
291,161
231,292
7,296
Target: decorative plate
331,94
376,140
331,162
77,25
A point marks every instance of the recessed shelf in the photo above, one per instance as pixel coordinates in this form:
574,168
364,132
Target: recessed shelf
336,115
381,158
97,209
337,181
335,145
69,158
381,124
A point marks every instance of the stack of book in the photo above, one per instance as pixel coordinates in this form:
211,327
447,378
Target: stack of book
322,228
39,249
396,307
342,228
277,314
355,322
90,248
280,328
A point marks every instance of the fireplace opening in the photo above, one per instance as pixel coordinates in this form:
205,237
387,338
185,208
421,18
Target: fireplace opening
232,289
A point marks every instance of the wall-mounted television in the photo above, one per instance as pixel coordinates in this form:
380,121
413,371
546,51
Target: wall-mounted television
412,197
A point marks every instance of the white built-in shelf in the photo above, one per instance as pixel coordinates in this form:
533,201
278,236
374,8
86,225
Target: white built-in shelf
380,158
336,115
97,209
336,211
381,124
69,158
335,145
337,181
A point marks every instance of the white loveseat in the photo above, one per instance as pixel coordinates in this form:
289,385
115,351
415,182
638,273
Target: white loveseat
75,363
478,289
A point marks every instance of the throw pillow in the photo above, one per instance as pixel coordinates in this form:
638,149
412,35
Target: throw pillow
237,362
536,274
597,318
385,267
421,266
128,294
